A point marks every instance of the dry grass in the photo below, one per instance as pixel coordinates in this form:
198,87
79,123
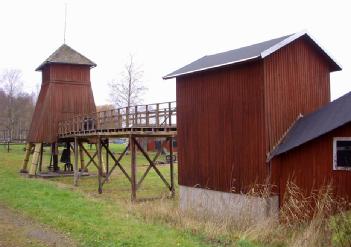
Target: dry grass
315,220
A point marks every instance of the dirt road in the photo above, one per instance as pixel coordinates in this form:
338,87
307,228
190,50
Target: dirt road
19,231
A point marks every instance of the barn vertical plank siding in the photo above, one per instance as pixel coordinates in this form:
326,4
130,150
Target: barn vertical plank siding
230,118
219,113
310,166
297,80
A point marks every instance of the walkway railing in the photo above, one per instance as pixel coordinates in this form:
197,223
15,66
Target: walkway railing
152,116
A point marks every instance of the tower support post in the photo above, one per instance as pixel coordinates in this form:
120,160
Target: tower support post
82,161
171,166
54,153
28,150
100,165
35,159
75,167
133,167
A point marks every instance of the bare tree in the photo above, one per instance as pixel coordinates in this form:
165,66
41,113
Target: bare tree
15,102
129,88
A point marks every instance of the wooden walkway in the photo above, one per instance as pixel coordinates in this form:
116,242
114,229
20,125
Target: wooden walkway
142,120
136,122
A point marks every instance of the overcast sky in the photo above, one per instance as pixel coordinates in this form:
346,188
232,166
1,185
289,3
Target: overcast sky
163,35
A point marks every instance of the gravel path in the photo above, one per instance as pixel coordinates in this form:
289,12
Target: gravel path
19,231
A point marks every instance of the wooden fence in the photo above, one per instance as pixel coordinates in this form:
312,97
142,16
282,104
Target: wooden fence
13,136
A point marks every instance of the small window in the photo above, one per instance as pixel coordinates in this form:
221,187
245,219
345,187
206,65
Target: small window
342,153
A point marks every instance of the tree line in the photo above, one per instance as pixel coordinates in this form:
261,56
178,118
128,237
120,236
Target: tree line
16,106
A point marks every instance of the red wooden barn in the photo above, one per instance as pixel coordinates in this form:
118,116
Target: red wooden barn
233,111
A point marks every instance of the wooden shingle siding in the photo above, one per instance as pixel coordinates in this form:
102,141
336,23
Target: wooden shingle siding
65,92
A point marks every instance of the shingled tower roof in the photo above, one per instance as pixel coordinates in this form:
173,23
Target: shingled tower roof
66,55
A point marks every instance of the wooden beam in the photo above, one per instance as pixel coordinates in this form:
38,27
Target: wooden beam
90,157
107,158
171,166
153,165
133,167
98,146
81,155
117,163
103,167
148,168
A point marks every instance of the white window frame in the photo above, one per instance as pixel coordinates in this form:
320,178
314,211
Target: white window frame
335,167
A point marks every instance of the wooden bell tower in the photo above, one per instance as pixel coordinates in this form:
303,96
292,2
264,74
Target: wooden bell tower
65,92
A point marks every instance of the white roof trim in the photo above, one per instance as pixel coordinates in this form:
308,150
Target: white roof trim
263,54
210,67
290,39
282,43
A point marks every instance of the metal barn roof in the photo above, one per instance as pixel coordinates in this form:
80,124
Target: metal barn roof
333,115
245,54
66,55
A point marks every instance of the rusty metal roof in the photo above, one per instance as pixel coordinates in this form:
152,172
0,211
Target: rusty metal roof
334,115
246,54
66,55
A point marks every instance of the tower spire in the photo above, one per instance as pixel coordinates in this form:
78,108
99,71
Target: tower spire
64,29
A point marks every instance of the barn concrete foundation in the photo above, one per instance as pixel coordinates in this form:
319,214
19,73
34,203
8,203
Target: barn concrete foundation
223,204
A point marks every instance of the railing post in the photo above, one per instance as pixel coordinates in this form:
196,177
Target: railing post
157,114
112,119
77,123
136,115
170,114
127,117
165,116
93,121
119,118
147,115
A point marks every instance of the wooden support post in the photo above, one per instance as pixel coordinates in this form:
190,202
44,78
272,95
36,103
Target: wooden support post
103,164
82,162
107,156
41,157
75,167
28,150
171,166
133,167
54,153
35,160
98,146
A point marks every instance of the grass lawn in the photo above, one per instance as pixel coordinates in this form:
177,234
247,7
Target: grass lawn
84,215
110,219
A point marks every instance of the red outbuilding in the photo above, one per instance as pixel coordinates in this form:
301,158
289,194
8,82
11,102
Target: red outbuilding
256,113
